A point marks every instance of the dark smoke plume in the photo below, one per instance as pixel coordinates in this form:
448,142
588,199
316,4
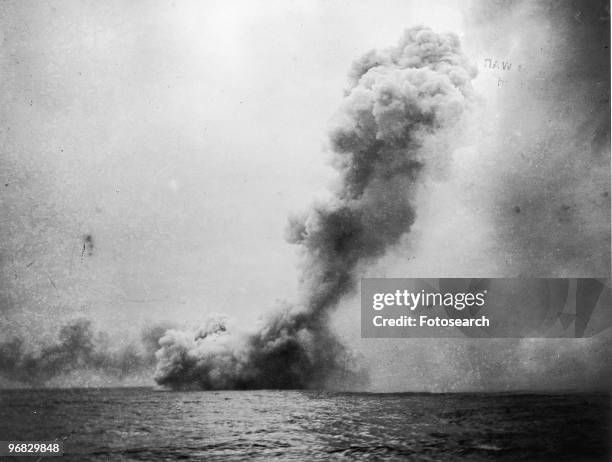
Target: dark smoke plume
78,349
396,101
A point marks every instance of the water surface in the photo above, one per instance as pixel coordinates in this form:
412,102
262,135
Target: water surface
146,424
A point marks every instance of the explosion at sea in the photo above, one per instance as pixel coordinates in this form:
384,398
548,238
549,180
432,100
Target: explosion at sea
397,100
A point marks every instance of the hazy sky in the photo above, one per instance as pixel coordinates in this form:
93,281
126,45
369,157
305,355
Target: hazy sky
181,135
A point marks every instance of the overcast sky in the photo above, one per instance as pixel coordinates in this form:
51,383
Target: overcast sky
180,135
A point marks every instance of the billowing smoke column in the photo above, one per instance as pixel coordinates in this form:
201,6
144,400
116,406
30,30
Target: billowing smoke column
397,99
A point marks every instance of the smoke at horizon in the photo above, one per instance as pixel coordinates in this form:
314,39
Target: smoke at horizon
397,100
80,352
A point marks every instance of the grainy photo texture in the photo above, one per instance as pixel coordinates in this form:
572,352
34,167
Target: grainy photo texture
198,199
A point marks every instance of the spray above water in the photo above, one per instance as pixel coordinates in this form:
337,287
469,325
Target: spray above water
397,99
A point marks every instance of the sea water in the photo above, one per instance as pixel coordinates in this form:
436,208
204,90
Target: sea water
147,424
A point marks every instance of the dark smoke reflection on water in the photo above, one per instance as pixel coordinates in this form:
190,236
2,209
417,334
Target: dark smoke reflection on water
397,100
